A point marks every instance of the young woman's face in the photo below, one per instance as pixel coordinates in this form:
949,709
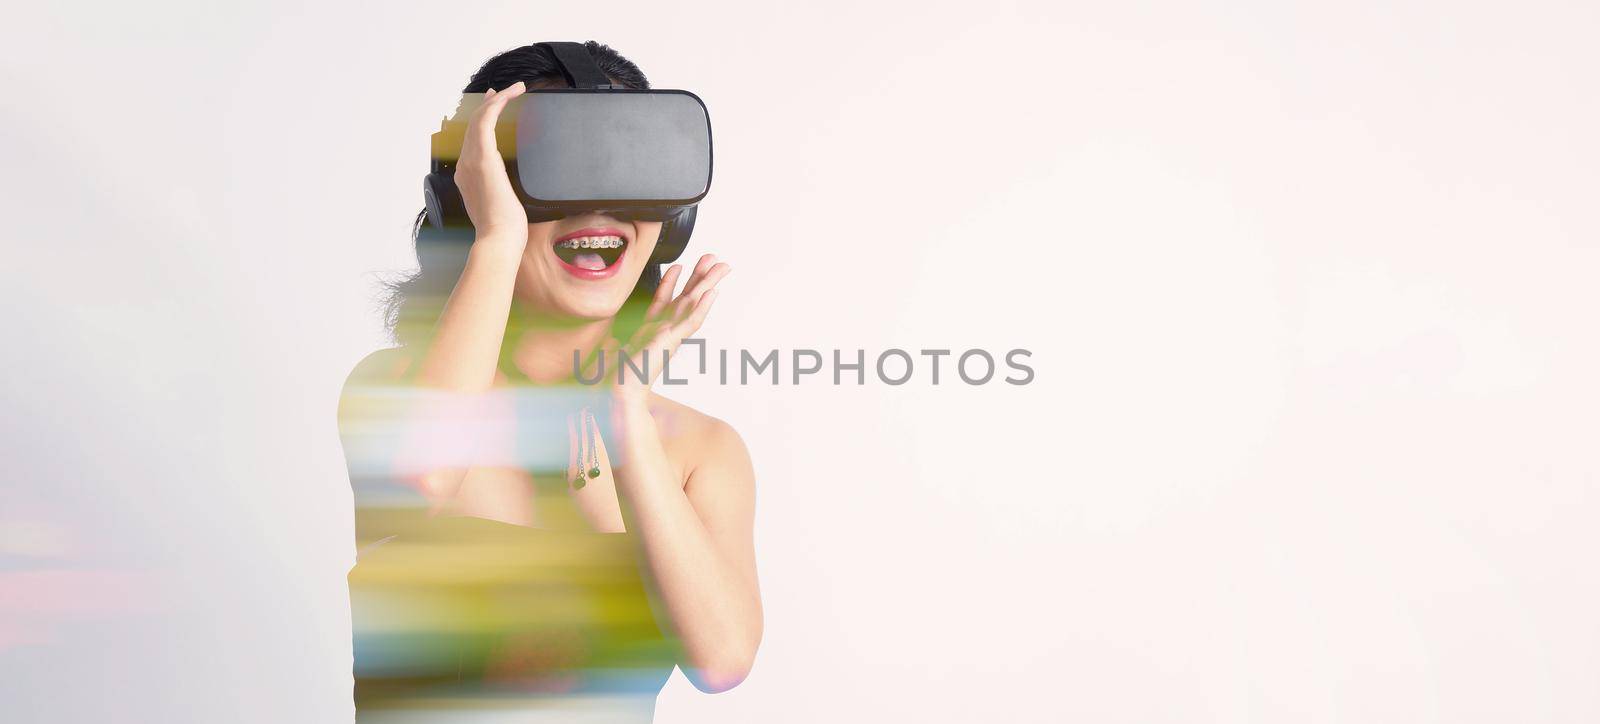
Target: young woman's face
584,266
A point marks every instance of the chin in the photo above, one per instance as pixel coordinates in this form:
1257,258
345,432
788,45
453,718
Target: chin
593,300
594,311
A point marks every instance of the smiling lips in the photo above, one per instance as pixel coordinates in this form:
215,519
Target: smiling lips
591,253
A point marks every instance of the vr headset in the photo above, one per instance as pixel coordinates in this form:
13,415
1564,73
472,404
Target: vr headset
595,147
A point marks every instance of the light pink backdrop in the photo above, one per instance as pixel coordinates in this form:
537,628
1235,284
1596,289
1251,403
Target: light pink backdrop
1311,294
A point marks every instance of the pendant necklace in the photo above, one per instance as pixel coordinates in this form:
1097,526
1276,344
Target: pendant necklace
585,420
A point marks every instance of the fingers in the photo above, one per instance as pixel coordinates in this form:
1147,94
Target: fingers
480,129
671,334
669,319
702,307
663,296
700,268
685,303
495,101
657,341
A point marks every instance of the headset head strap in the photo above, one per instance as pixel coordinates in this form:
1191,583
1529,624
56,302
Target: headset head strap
577,66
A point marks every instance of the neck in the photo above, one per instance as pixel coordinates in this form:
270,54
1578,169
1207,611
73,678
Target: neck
541,346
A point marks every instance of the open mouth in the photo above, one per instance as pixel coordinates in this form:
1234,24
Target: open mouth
591,253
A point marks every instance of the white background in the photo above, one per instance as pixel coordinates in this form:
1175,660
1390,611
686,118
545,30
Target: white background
1310,290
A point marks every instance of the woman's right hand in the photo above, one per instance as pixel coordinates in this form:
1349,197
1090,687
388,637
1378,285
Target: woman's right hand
463,353
497,215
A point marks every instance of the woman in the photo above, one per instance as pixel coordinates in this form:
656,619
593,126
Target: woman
530,548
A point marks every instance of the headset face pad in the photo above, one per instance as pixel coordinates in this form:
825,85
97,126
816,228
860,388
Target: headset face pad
642,213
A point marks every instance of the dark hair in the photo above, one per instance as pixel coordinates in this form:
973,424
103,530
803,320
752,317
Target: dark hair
412,304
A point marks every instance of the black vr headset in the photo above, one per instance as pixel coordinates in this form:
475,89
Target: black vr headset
594,148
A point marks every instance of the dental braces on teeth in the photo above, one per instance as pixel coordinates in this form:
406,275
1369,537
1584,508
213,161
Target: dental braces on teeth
592,242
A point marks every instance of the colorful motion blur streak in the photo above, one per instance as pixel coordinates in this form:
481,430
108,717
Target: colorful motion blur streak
460,618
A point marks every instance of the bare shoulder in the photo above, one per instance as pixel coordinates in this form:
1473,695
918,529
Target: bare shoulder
384,365
699,442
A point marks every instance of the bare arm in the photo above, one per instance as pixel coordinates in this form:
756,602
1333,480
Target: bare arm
697,536
698,545
465,345
462,353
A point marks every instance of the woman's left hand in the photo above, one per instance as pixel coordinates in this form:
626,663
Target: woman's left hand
668,321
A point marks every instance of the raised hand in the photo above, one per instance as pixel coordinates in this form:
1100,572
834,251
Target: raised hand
496,214
668,320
